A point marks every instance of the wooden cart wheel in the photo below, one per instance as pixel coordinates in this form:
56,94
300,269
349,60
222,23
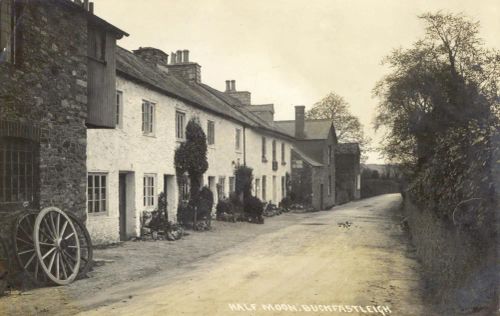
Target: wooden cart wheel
24,248
5,266
57,245
86,252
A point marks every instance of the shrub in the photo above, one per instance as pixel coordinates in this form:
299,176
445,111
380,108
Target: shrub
205,203
224,206
253,207
185,214
243,181
285,203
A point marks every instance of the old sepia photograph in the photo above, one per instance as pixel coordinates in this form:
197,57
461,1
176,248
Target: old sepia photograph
236,157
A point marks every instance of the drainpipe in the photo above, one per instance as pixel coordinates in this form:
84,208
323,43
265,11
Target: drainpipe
244,146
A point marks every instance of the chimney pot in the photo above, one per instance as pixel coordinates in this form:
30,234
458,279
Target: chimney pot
233,85
86,4
186,55
173,58
91,7
179,56
299,121
228,85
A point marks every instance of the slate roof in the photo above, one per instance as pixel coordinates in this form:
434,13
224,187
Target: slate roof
347,148
134,68
313,129
197,94
261,107
306,158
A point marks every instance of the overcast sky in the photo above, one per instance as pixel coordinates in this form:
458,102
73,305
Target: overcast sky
290,52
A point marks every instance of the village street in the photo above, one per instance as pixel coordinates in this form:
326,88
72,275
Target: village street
353,255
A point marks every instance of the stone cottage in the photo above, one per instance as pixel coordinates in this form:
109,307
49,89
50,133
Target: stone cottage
132,163
45,108
313,160
348,172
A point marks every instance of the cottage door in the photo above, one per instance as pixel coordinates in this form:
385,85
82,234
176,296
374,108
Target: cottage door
321,194
123,205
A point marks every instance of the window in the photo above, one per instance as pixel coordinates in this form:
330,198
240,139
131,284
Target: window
238,139
257,187
119,108
96,192
274,150
97,44
329,184
221,187
283,188
329,154
10,31
264,149
149,190
211,133
17,171
264,188
232,185
180,121
184,188
148,117
283,153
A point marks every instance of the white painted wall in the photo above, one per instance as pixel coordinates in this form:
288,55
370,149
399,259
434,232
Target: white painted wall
254,160
126,149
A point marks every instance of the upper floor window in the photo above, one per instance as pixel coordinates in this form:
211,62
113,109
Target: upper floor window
149,190
211,132
274,150
180,122
11,31
96,192
97,44
264,149
119,108
330,151
283,153
17,171
238,139
148,117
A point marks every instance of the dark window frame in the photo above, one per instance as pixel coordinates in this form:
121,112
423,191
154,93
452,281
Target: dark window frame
19,173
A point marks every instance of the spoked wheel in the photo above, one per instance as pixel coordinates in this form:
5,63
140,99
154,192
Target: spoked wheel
57,245
86,253
24,248
5,266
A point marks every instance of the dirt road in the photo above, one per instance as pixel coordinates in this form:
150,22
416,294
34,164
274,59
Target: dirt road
350,260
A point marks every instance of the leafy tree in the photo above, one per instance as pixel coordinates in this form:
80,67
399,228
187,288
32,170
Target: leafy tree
347,126
440,106
446,79
191,158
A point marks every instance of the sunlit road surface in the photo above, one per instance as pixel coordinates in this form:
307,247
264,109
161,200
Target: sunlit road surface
351,260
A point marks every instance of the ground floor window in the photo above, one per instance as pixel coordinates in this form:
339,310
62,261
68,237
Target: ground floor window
264,188
17,171
232,185
329,185
97,192
149,190
257,188
221,186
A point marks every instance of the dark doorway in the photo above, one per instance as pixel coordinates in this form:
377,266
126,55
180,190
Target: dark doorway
123,206
321,195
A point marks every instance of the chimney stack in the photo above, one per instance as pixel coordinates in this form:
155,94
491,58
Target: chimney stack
180,66
228,85
299,121
243,96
